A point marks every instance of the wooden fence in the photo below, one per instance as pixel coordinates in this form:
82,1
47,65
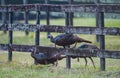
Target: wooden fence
69,9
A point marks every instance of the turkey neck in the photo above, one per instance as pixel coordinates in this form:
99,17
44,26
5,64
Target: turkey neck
52,39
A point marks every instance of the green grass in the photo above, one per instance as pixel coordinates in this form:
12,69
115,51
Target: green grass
22,65
81,22
111,42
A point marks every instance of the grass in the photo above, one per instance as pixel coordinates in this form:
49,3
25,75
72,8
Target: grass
22,64
81,22
22,67
112,42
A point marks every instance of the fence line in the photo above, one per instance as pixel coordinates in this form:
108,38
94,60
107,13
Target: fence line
57,28
71,52
108,8
69,9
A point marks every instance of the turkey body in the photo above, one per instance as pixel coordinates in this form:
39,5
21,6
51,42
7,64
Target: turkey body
67,39
88,46
63,40
47,58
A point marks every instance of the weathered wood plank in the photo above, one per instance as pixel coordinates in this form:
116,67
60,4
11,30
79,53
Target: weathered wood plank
109,54
70,52
108,8
81,52
3,8
29,48
61,29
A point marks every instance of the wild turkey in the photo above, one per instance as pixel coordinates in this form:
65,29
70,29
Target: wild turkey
40,56
66,39
87,46
47,58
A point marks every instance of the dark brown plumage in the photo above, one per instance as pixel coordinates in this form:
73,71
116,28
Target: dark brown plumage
47,58
87,46
67,39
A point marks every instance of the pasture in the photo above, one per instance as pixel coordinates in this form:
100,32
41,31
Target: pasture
22,65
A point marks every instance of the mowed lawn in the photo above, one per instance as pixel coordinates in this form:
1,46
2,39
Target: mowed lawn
22,65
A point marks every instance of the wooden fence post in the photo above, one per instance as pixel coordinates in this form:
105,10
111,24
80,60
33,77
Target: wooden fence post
26,16
69,22
37,33
97,20
10,36
47,16
102,40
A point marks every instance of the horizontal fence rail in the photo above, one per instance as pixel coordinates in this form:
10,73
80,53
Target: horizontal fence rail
70,51
61,29
108,8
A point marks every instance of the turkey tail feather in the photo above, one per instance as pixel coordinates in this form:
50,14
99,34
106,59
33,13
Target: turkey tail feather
87,41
